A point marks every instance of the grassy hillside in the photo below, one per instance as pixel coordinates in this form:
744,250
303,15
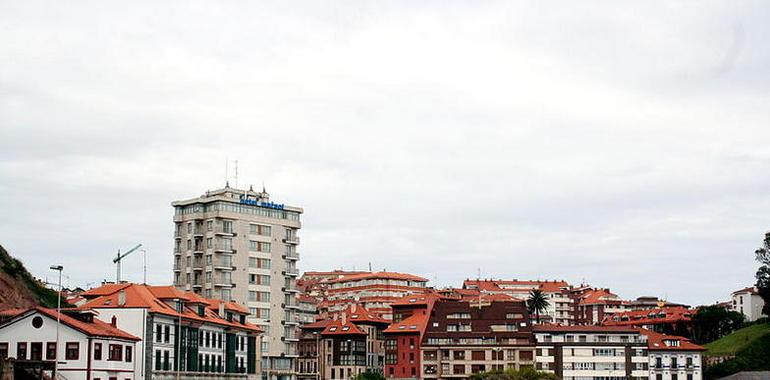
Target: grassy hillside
751,346
18,289
738,340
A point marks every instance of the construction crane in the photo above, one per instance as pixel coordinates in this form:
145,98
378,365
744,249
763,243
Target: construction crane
120,257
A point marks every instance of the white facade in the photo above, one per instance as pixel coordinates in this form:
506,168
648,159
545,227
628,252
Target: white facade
107,358
749,303
577,355
675,365
162,340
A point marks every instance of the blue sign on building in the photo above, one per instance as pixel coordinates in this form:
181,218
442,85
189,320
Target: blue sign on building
254,202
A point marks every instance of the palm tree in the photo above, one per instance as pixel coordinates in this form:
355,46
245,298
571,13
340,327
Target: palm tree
537,303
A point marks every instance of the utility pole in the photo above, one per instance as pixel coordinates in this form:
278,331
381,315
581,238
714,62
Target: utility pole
59,269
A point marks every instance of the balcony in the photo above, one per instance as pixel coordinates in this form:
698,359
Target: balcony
292,239
223,282
291,272
177,267
223,231
198,265
177,234
198,231
219,247
290,289
223,264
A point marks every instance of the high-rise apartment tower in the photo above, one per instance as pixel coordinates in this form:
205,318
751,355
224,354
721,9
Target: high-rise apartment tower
237,245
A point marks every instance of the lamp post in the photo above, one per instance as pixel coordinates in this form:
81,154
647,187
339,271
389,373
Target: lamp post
59,269
178,338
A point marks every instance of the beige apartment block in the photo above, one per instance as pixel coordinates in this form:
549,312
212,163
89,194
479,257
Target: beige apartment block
237,245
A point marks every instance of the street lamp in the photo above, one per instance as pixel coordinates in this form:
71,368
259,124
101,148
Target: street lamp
59,269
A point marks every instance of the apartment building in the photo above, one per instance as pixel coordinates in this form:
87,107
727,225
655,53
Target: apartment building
651,302
373,290
673,357
184,336
89,349
345,345
560,308
592,352
464,337
237,245
403,338
669,320
593,305
748,302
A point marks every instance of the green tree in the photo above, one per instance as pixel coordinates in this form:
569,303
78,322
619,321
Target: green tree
713,322
763,273
537,303
526,373
370,376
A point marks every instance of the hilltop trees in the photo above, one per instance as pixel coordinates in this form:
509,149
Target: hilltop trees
763,273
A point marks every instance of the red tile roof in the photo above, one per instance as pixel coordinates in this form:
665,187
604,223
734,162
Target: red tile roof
147,297
662,342
750,290
10,313
104,290
379,275
94,328
415,323
597,296
656,316
508,285
358,313
336,327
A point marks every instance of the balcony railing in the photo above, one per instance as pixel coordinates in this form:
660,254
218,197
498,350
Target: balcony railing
220,247
291,272
291,255
291,239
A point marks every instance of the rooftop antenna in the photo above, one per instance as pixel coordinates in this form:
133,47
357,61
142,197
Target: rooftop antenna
236,174
227,172
144,264
118,258
370,266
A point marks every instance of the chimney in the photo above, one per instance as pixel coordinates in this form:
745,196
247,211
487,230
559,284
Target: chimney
114,321
221,309
122,298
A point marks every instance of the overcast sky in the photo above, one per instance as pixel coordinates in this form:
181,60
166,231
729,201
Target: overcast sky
625,145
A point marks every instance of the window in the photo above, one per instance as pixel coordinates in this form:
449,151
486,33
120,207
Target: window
166,333
158,333
166,362
72,351
3,350
129,354
50,351
21,351
115,353
157,360
36,351
97,351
